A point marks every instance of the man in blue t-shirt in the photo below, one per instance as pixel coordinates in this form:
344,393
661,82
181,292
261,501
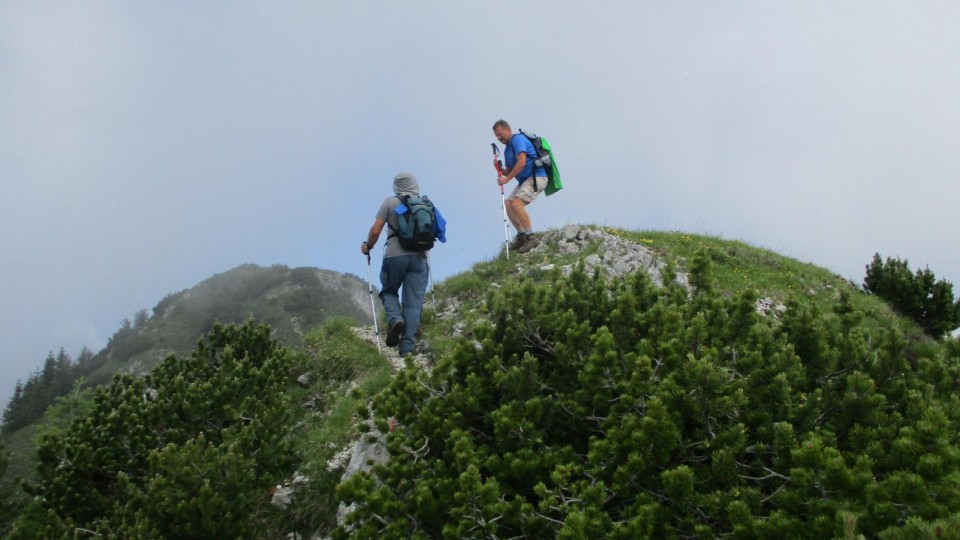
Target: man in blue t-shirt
519,156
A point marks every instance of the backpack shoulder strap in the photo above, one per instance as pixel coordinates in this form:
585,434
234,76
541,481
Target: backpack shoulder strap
528,138
533,170
403,199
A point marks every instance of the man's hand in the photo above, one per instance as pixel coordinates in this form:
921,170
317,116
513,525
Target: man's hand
502,180
372,236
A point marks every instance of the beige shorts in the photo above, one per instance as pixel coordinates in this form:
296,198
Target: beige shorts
524,191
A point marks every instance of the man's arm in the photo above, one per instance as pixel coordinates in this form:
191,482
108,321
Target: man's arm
517,167
373,235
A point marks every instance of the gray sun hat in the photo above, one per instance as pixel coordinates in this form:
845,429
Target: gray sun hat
405,183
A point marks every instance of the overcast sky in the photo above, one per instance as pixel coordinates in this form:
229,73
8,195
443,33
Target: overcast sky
147,146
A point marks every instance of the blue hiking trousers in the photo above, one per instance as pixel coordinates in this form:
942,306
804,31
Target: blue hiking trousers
406,275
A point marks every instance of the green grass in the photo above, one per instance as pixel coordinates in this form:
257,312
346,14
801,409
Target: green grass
339,361
463,285
738,266
473,284
345,371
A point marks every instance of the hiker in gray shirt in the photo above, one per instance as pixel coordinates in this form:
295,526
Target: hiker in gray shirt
404,272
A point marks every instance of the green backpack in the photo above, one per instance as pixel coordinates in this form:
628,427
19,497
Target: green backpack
416,217
546,160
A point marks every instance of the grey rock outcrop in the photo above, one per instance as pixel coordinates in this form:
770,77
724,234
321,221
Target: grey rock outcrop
284,494
769,308
617,256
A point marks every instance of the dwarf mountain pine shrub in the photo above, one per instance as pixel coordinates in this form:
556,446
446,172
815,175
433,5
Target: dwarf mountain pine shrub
6,504
595,409
920,296
187,451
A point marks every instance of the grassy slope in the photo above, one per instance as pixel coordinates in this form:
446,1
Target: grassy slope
344,371
737,266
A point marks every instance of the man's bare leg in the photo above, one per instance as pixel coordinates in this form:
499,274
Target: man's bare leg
517,212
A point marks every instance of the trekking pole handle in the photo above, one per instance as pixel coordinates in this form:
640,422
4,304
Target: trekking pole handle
496,154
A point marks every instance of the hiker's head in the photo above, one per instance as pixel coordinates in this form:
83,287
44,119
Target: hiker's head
501,130
405,183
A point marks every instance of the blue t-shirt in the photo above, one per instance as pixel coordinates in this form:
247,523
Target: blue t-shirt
520,143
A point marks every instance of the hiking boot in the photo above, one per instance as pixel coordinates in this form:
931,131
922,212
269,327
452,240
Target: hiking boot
518,241
393,334
531,242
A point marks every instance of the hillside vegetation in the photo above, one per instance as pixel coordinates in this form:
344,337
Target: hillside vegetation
292,301
692,388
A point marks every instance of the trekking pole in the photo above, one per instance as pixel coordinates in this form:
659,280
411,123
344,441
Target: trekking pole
503,201
373,309
430,280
